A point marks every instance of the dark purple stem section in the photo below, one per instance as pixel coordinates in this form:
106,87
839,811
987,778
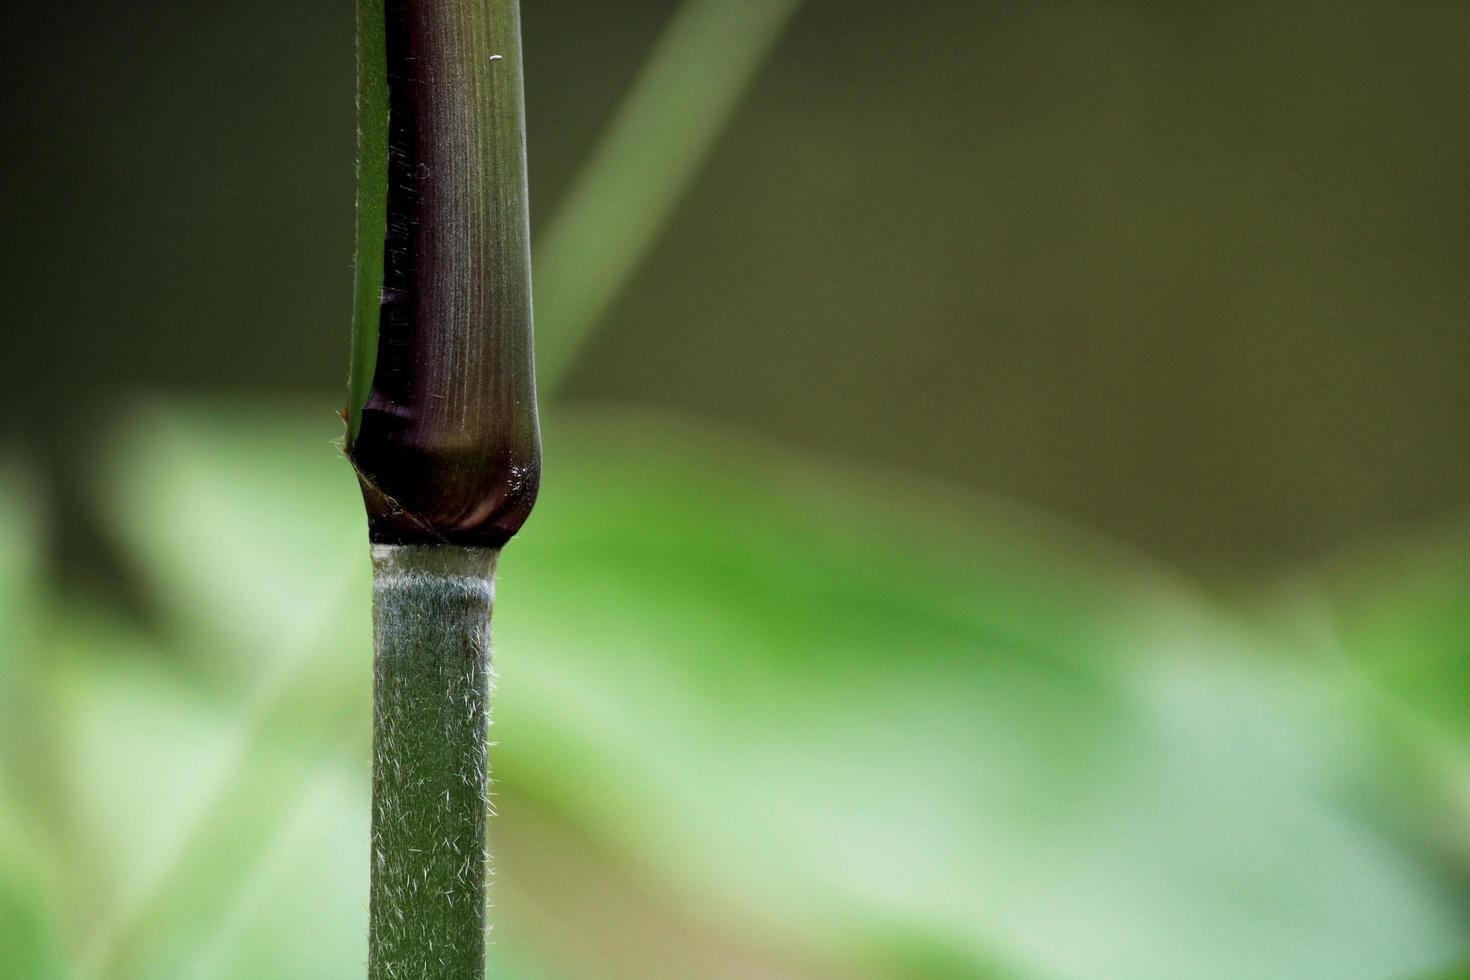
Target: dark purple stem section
447,447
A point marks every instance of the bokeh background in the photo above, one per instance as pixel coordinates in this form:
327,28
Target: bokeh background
1004,510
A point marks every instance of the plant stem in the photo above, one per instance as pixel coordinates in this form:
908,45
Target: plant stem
442,421
431,711
442,430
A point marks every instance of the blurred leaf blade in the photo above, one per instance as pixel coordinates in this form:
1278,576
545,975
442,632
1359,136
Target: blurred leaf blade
741,697
678,105
31,932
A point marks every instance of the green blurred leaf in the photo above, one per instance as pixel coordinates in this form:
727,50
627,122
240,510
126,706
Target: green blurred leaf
1399,611
694,79
1008,740
30,930
29,935
22,592
993,743
218,512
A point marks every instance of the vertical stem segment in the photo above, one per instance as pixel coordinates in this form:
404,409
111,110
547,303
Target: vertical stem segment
442,418
431,711
443,433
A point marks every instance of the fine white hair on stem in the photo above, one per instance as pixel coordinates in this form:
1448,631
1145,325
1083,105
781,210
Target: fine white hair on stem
431,780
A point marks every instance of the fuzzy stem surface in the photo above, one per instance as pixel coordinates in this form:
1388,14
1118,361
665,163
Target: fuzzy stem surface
431,713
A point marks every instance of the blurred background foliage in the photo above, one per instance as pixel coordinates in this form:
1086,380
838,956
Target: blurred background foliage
1007,523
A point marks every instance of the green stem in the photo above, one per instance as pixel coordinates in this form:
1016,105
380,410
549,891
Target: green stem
431,712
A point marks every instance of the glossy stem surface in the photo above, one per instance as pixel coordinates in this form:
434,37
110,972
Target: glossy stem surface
442,423
431,713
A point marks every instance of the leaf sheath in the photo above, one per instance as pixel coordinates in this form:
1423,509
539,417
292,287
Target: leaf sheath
445,438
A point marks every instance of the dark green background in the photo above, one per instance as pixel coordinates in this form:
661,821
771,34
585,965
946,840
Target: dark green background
1191,274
